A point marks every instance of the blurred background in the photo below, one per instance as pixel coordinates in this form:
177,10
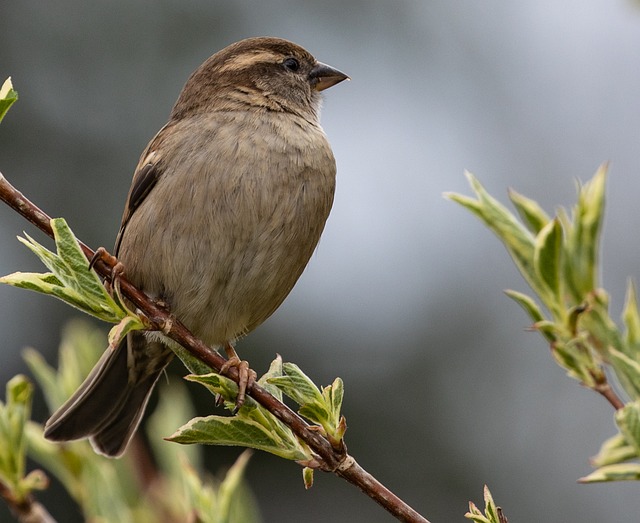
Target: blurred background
445,388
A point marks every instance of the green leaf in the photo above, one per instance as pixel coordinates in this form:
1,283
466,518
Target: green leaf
547,261
174,407
527,303
228,389
335,394
614,450
45,376
336,424
275,370
492,513
229,503
530,212
49,284
631,318
515,237
220,385
628,372
297,385
231,486
619,472
14,414
70,278
578,362
628,421
195,366
475,514
35,480
550,330
234,431
7,97
124,327
597,321
253,426
583,237
320,407
307,477
201,496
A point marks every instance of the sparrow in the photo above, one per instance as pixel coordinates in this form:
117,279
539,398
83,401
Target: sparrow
226,207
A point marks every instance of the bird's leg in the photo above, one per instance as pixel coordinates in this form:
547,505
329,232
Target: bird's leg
116,271
102,254
247,376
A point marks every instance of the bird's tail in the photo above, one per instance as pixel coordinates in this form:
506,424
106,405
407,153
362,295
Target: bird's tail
108,406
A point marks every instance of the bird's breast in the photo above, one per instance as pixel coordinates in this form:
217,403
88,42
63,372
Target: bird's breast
233,221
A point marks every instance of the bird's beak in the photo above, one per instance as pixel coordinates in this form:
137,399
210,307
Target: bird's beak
323,76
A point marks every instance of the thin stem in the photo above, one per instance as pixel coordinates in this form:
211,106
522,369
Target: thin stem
603,387
26,510
159,318
355,474
609,394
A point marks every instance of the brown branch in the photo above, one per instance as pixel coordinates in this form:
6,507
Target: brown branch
609,394
329,459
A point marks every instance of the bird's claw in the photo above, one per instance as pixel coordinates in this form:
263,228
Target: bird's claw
246,375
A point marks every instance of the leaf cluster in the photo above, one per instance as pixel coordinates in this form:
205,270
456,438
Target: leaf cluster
559,259
106,489
71,280
492,513
255,427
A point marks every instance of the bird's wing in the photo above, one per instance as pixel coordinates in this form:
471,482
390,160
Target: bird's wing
147,174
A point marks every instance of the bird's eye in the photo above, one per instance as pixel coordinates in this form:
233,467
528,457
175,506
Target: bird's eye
292,64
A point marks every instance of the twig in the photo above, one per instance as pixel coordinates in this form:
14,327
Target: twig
609,394
26,510
330,459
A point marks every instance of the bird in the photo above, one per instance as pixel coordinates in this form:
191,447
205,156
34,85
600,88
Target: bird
226,207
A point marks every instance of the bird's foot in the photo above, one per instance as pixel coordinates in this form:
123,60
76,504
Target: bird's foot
117,268
246,375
